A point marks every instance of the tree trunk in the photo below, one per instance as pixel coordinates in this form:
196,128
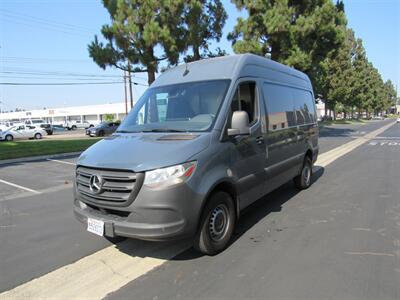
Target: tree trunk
151,65
151,74
196,53
275,51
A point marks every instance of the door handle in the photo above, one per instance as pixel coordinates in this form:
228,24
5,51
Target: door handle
259,140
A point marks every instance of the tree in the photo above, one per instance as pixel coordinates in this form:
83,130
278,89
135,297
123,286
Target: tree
339,74
390,93
137,28
299,33
203,21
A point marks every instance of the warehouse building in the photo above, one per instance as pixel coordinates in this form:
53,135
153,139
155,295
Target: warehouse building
56,116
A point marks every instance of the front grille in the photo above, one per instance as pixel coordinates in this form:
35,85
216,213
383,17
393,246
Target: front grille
119,187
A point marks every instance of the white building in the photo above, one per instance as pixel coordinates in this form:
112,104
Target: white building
93,113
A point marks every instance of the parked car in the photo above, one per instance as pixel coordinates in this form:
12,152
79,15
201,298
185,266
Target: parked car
22,132
378,118
34,122
73,125
48,128
104,128
5,125
205,141
398,120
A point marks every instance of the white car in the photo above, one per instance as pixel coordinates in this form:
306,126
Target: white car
21,132
73,125
398,120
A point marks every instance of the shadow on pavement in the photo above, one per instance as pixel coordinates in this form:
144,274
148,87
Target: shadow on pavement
257,211
250,216
335,132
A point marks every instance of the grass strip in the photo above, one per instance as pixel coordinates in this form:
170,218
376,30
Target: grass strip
18,149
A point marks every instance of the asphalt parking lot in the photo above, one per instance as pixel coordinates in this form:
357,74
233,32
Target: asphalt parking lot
38,233
36,177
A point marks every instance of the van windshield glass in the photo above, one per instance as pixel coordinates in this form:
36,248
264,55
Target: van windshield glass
180,107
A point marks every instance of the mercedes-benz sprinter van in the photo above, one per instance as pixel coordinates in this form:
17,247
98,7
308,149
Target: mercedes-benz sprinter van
204,141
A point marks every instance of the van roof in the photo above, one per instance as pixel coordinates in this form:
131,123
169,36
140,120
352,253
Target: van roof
233,67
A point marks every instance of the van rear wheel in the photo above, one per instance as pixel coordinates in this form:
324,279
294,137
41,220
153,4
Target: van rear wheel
217,224
303,180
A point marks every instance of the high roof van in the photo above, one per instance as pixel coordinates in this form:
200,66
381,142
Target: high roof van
204,141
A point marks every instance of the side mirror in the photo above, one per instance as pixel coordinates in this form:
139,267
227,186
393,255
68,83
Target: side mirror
240,123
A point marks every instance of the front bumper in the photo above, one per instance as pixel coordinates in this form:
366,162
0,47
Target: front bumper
154,215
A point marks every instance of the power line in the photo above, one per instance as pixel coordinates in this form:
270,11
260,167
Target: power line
45,27
24,71
67,83
35,19
60,83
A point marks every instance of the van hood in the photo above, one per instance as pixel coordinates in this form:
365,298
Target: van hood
142,152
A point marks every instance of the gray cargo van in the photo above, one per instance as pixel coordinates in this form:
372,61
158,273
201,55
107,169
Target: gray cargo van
204,141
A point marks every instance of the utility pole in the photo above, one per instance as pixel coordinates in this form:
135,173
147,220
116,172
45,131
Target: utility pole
130,87
126,94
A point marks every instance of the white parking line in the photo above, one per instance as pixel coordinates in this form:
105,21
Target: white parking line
19,187
62,162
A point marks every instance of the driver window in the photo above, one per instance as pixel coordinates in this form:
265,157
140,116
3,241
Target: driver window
245,99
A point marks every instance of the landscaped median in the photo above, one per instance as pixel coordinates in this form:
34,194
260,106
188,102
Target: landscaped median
10,150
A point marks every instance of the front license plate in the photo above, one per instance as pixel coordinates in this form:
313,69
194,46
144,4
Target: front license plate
95,226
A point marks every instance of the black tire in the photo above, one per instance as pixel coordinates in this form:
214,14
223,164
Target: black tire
73,127
115,239
9,138
38,136
101,133
217,224
303,180
91,125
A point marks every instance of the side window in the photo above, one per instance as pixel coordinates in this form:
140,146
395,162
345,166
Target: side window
304,106
162,105
280,108
245,98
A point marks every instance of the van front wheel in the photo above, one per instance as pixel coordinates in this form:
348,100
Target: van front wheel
217,224
303,180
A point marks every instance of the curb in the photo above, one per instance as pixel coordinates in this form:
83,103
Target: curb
37,158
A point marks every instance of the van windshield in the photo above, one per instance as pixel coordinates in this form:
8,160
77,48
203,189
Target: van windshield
180,107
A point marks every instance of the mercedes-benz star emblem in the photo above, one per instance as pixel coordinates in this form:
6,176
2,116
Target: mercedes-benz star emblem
95,184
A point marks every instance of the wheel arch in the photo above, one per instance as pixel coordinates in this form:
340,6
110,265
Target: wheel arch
226,185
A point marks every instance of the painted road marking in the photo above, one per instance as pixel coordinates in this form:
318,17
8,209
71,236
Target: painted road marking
62,162
98,274
384,143
328,157
19,187
103,272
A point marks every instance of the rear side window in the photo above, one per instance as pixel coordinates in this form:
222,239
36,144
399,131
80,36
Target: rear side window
304,107
280,107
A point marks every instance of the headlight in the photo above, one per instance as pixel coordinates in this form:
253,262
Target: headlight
169,176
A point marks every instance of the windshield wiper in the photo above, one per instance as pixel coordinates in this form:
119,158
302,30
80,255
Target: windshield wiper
126,131
163,130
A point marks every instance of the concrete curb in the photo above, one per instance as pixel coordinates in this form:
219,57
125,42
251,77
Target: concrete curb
37,158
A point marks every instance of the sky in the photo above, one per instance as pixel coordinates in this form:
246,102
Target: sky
45,41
